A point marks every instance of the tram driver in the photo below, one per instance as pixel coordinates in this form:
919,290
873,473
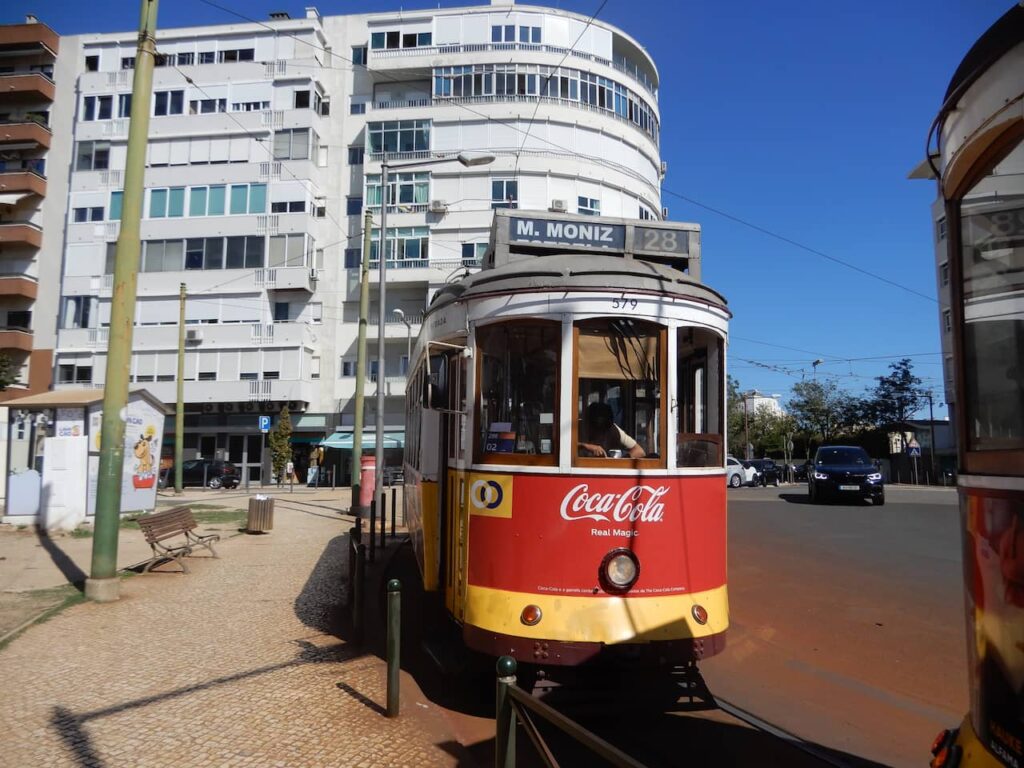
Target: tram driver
601,436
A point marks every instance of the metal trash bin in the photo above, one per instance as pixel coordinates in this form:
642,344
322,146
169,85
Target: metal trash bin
261,515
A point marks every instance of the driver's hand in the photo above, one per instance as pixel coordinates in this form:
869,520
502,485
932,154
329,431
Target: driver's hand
598,451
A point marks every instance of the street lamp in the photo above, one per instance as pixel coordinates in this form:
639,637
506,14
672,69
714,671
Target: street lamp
468,160
408,337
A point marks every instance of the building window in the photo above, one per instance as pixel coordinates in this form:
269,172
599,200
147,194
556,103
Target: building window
92,156
237,54
503,33
74,374
359,55
92,63
207,106
387,40
407,246
207,57
281,311
124,105
398,136
940,229
589,206
127,62
81,215
353,257
116,202
645,213
357,108
292,144
346,368
353,206
504,193
404,189
168,103
248,376
207,201
947,320
167,203
355,155
287,250
314,367
249,106
944,274
185,59
79,311
292,206
529,35
98,108
206,376
300,99
473,254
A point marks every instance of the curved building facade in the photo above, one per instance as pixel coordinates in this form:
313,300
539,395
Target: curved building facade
266,144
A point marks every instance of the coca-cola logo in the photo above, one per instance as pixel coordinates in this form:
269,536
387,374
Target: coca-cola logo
641,503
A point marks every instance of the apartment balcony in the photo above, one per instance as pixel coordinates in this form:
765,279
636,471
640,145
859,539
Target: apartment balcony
26,87
24,181
420,270
286,279
16,338
24,134
20,233
394,328
296,391
28,40
394,386
19,285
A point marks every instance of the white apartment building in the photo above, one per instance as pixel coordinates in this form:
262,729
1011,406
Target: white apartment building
266,142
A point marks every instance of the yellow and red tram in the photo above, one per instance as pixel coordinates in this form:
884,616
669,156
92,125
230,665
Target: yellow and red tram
543,547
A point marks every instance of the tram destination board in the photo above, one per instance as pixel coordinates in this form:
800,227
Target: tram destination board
599,234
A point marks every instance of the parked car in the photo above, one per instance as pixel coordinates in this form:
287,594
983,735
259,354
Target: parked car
765,471
214,473
800,471
843,470
736,474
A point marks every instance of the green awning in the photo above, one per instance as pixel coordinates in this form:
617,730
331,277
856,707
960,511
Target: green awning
344,440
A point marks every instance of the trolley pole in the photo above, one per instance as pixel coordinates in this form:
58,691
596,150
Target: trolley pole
364,311
179,408
103,584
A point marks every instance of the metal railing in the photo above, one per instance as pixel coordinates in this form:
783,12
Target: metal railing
515,706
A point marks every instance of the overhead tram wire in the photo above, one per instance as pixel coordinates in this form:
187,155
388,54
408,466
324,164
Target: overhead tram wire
664,190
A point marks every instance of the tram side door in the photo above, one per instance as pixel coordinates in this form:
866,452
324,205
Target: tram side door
455,522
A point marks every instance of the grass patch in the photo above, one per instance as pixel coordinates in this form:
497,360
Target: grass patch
82,533
205,514
57,598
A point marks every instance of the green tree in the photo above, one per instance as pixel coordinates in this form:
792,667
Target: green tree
8,371
769,430
734,414
895,399
281,444
820,409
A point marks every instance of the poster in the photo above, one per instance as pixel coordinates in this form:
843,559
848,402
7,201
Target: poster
994,579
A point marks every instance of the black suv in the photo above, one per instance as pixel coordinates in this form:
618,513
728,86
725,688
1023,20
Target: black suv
215,474
766,471
842,470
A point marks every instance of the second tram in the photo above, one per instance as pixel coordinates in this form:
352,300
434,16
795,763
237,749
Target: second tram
565,445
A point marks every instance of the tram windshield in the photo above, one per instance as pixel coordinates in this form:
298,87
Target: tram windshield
618,389
519,389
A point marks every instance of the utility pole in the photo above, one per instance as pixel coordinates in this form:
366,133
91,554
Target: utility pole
746,432
103,584
364,311
179,409
378,486
931,438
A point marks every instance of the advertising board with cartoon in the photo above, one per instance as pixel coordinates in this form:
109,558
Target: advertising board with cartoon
994,577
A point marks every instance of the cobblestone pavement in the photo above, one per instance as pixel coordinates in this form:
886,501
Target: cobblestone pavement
234,664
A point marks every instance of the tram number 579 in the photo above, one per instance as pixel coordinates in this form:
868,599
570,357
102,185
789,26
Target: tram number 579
624,303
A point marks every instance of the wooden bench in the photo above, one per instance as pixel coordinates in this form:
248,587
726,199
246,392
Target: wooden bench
160,527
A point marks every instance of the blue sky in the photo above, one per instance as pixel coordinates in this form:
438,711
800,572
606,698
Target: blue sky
800,117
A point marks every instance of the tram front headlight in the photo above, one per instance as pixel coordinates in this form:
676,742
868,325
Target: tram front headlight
619,570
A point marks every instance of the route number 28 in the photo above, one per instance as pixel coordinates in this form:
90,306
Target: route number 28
624,303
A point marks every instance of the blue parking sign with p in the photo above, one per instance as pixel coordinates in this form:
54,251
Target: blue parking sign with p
264,423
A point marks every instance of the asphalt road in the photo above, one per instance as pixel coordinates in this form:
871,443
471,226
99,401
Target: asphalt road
847,624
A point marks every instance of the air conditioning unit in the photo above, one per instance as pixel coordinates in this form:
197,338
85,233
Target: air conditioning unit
294,406
209,407
438,206
249,407
193,334
230,407
559,206
314,274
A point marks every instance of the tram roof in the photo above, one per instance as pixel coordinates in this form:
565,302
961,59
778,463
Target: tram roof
580,272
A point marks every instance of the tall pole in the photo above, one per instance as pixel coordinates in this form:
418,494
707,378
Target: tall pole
179,407
931,430
378,485
103,584
746,433
364,311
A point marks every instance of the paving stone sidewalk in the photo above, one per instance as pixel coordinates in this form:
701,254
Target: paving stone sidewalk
234,664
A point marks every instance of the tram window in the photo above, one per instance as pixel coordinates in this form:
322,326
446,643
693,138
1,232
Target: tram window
992,253
699,409
518,396
620,369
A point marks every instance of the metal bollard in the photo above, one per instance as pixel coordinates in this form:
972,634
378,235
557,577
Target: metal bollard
383,517
505,716
394,507
359,603
353,540
394,643
373,529
354,507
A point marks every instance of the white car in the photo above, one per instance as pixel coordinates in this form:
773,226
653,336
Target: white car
736,474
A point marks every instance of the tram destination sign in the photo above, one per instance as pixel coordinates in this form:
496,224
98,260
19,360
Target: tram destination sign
563,232
669,241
